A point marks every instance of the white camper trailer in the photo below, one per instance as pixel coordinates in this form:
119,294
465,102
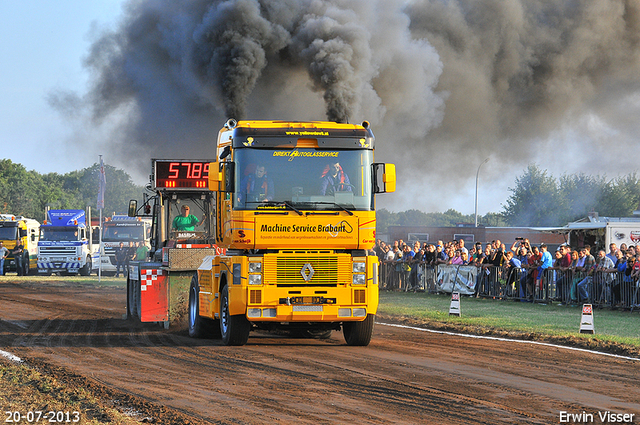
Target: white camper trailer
599,232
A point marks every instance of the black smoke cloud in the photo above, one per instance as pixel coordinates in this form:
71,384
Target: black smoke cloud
444,83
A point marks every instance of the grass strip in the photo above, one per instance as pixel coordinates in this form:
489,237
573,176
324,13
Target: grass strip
54,280
616,331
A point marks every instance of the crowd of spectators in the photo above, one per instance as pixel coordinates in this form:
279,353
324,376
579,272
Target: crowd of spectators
575,271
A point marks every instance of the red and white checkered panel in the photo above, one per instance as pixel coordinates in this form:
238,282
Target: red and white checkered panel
455,296
154,295
148,277
586,309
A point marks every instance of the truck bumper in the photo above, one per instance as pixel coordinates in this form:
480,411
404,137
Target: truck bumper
333,305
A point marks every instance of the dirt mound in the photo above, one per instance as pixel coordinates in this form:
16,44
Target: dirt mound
139,409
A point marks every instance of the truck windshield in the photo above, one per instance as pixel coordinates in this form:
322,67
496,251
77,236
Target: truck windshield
310,179
123,232
8,233
58,233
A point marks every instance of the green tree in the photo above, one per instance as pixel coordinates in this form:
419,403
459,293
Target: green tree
384,219
414,217
19,189
492,220
535,200
29,193
579,195
620,197
119,190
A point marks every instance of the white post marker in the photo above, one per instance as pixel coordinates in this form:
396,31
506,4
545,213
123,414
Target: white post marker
454,308
586,323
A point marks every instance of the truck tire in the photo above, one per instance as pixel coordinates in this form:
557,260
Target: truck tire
86,270
200,327
196,323
359,333
234,329
130,304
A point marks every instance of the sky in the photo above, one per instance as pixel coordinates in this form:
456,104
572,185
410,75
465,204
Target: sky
42,46
445,84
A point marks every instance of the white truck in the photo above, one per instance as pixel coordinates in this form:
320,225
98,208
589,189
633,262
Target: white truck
600,232
67,244
122,228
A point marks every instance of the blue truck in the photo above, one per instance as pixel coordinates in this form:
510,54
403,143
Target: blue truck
67,244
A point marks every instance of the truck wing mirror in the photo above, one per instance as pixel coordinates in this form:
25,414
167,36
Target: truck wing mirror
223,179
229,172
215,176
133,208
384,178
225,152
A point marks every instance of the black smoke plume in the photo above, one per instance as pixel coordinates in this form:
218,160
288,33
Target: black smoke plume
445,83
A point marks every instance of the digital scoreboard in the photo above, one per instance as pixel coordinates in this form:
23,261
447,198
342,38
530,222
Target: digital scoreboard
181,174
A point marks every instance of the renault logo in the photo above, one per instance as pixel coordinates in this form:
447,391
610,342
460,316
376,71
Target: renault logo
307,272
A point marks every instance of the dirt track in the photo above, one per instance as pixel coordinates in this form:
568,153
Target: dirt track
404,376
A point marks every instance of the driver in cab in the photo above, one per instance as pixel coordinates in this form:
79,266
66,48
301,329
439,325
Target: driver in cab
185,221
256,186
334,179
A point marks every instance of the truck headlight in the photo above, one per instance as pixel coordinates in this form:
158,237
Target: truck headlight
254,312
359,267
255,279
255,267
358,279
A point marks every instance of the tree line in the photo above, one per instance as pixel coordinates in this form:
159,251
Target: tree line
538,200
29,193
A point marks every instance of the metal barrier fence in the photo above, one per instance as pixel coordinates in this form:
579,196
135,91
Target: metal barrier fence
602,289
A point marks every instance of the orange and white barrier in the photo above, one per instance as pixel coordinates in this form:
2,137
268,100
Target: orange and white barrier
586,323
454,308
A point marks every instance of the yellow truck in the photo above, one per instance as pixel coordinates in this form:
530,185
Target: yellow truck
295,213
26,230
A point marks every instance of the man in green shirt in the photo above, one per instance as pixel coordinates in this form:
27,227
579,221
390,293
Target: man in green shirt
185,221
141,252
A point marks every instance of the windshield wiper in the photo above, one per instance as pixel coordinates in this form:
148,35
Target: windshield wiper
343,208
286,203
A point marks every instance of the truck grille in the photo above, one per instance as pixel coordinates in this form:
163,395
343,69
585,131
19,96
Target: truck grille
57,250
255,296
359,296
110,253
285,269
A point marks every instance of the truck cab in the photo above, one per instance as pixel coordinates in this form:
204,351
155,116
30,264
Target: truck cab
180,208
66,244
26,230
282,237
122,228
295,210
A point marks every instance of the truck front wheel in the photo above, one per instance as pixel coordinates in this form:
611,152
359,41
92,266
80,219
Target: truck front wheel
86,270
200,327
234,329
196,325
359,333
